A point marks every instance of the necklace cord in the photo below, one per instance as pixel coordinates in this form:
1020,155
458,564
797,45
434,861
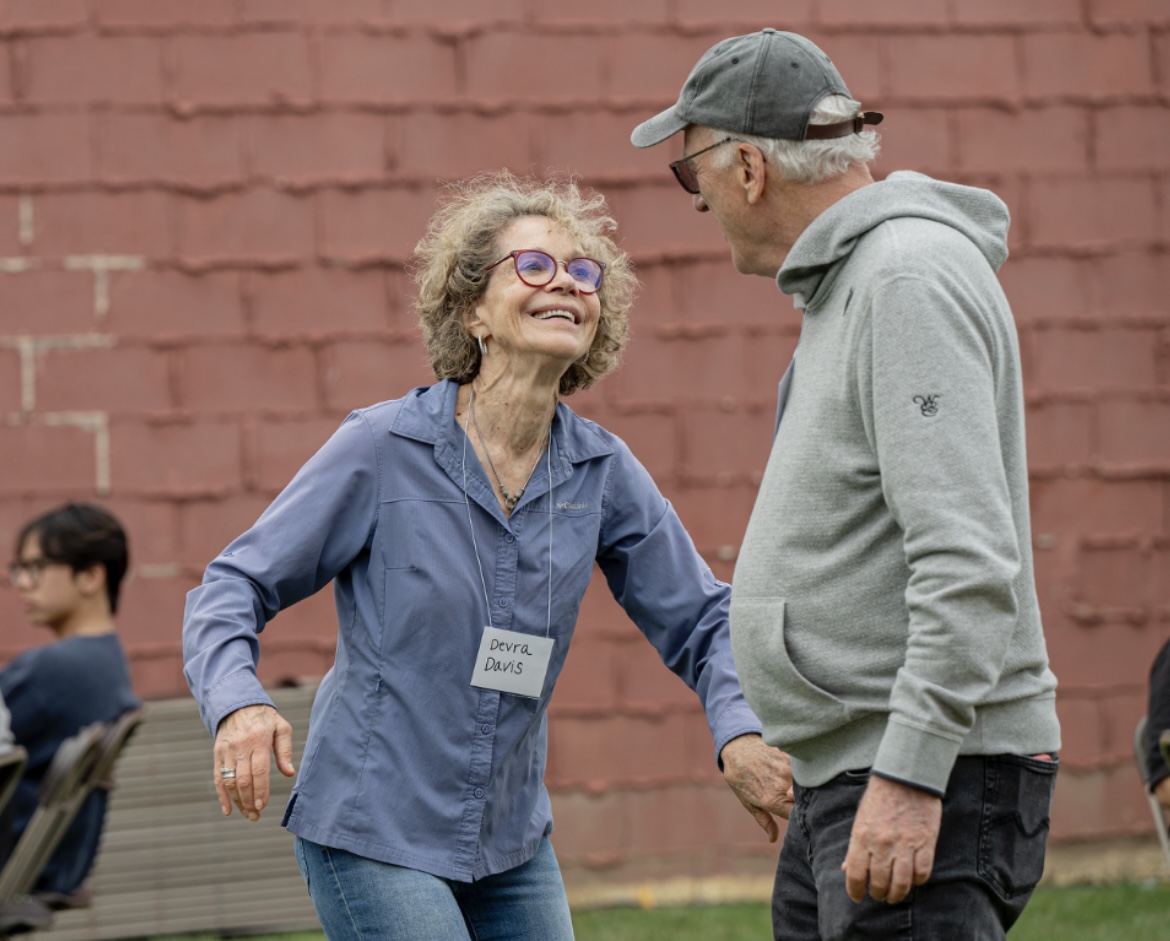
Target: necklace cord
510,500
471,523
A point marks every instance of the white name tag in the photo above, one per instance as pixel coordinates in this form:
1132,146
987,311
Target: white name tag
512,662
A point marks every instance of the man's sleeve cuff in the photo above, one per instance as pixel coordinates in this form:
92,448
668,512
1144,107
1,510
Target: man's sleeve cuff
916,757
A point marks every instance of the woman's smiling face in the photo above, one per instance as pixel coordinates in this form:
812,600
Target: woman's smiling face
556,322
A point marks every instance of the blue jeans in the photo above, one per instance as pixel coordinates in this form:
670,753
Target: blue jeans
359,898
989,857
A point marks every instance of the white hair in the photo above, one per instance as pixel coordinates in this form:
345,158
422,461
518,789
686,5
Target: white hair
812,161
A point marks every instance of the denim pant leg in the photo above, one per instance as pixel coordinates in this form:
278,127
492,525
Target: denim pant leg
794,896
989,857
361,899
527,903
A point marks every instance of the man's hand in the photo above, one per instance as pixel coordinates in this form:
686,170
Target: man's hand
761,779
1162,792
893,841
243,742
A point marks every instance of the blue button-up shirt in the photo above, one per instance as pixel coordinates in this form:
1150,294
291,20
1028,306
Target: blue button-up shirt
405,761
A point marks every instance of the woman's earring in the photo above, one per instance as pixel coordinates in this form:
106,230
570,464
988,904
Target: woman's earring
482,345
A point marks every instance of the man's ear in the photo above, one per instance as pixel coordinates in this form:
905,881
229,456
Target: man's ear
92,580
751,171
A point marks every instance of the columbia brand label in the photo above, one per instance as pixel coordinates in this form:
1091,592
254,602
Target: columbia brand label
511,662
928,404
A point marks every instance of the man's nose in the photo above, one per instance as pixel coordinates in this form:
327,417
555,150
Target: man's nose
699,203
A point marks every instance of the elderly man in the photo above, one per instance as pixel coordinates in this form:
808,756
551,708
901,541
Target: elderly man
884,617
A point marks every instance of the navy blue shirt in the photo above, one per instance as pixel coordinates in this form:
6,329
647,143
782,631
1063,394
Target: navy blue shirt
53,692
405,761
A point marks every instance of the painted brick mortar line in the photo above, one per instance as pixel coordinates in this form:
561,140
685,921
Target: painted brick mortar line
504,104
1098,616
1101,691
1087,395
158,571
471,29
1098,471
29,346
28,383
101,266
95,422
1145,544
27,223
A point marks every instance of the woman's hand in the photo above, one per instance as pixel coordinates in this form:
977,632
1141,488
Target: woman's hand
761,778
242,742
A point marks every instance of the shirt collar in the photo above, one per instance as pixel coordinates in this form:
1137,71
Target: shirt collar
428,415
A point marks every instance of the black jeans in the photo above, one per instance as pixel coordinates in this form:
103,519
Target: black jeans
990,856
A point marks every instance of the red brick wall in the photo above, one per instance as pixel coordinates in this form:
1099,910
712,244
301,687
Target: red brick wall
205,211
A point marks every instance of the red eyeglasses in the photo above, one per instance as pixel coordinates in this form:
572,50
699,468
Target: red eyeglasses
536,269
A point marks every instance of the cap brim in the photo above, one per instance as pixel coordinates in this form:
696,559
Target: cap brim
658,128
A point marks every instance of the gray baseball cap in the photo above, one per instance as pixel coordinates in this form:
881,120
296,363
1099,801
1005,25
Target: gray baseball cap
765,83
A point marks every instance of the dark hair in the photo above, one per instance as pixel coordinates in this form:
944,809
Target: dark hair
82,535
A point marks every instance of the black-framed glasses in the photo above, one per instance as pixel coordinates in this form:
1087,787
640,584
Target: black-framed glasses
685,173
536,269
31,568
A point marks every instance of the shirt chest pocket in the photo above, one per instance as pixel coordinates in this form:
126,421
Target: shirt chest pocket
430,581
571,534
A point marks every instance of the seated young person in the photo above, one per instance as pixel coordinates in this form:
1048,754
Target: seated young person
1158,721
68,568
7,742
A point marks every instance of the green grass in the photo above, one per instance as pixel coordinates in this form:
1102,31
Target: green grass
708,922
1097,913
1077,913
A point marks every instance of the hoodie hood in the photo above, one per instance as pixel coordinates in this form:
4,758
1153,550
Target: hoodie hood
811,267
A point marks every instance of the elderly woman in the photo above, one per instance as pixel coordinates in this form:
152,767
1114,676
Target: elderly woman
459,526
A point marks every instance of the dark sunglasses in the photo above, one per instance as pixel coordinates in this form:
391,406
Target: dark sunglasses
685,173
689,180
536,269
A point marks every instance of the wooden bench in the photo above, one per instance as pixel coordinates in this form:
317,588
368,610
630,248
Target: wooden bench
170,862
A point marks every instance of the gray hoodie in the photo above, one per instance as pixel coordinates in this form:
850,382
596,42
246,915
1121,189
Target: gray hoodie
884,609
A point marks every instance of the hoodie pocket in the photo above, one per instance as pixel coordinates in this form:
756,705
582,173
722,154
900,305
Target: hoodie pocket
791,706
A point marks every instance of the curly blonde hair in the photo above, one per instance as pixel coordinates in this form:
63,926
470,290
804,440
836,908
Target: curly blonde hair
462,240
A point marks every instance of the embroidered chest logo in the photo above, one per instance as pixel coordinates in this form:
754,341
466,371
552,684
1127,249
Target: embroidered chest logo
566,505
928,404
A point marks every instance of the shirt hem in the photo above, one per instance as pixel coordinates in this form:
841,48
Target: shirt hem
397,856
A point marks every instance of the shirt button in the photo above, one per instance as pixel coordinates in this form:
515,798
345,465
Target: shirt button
486,729
503,602
479,793
508,537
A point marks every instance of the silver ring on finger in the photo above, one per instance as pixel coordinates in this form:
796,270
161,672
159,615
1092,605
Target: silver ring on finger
227,773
